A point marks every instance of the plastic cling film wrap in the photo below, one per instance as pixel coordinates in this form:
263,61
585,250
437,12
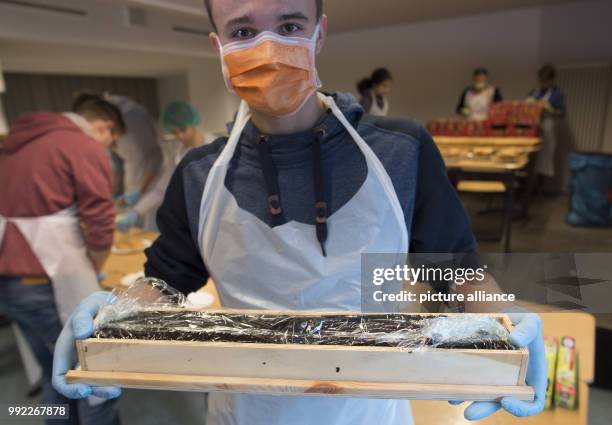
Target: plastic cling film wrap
465,329
150,309
145,293
396,330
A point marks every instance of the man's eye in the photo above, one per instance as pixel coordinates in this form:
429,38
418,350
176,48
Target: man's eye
243,33
289,28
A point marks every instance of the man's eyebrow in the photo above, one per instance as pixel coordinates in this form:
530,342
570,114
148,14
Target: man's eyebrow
245,19
296,16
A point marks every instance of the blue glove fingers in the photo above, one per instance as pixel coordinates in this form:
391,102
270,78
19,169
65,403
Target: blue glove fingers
122,226
528,333
127,222
529,329
523,408
63,357
537,369
106,392
80,326
481,409
82,319
132,198
456,402
526,330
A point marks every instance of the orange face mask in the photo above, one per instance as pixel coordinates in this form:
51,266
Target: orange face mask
273,74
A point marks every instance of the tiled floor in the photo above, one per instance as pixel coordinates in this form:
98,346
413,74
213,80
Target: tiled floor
137,407
600,407
545,231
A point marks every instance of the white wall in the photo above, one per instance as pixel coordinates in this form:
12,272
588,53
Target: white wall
607,142
577,32
202,85
172,87
207,92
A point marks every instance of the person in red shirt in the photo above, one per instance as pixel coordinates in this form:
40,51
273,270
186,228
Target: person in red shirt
57,219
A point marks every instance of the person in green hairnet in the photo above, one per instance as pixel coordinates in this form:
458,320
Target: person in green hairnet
183,121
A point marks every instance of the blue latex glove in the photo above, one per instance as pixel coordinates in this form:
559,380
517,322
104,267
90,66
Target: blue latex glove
79,326
130,199
128,221
527,332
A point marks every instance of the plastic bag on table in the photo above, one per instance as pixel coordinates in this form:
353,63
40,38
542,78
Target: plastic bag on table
145,293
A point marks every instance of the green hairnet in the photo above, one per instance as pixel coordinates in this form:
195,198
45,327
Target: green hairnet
180,115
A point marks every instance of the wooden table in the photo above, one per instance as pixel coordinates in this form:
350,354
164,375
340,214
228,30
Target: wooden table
486,165
465,167
119,265
522,142
579,325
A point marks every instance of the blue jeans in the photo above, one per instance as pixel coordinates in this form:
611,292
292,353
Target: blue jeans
33,308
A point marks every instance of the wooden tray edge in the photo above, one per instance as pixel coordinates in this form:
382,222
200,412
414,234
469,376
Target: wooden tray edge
301,387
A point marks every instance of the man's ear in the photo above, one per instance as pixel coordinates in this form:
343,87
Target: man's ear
322,33
215,42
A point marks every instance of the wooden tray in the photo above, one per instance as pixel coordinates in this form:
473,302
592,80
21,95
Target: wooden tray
377,372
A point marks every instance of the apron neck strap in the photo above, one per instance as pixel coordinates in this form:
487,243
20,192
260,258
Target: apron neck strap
242,118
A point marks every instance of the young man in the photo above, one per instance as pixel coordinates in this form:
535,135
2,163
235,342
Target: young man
279,213
56,227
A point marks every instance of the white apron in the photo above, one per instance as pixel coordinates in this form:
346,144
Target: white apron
479,103
151,200
258,267
377,110
545,162
57,242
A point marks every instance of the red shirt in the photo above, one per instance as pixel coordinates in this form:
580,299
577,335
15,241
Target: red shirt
48,164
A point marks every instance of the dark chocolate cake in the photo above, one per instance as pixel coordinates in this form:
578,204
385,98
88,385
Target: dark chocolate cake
389,330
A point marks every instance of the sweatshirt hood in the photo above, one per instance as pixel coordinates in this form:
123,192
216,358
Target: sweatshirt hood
32,126
346,102
287,150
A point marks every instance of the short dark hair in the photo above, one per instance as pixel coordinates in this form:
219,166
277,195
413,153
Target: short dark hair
208,4
92,106
481,70
547,73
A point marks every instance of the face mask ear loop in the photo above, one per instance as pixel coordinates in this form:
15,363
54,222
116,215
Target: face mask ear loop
224,71
313,56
